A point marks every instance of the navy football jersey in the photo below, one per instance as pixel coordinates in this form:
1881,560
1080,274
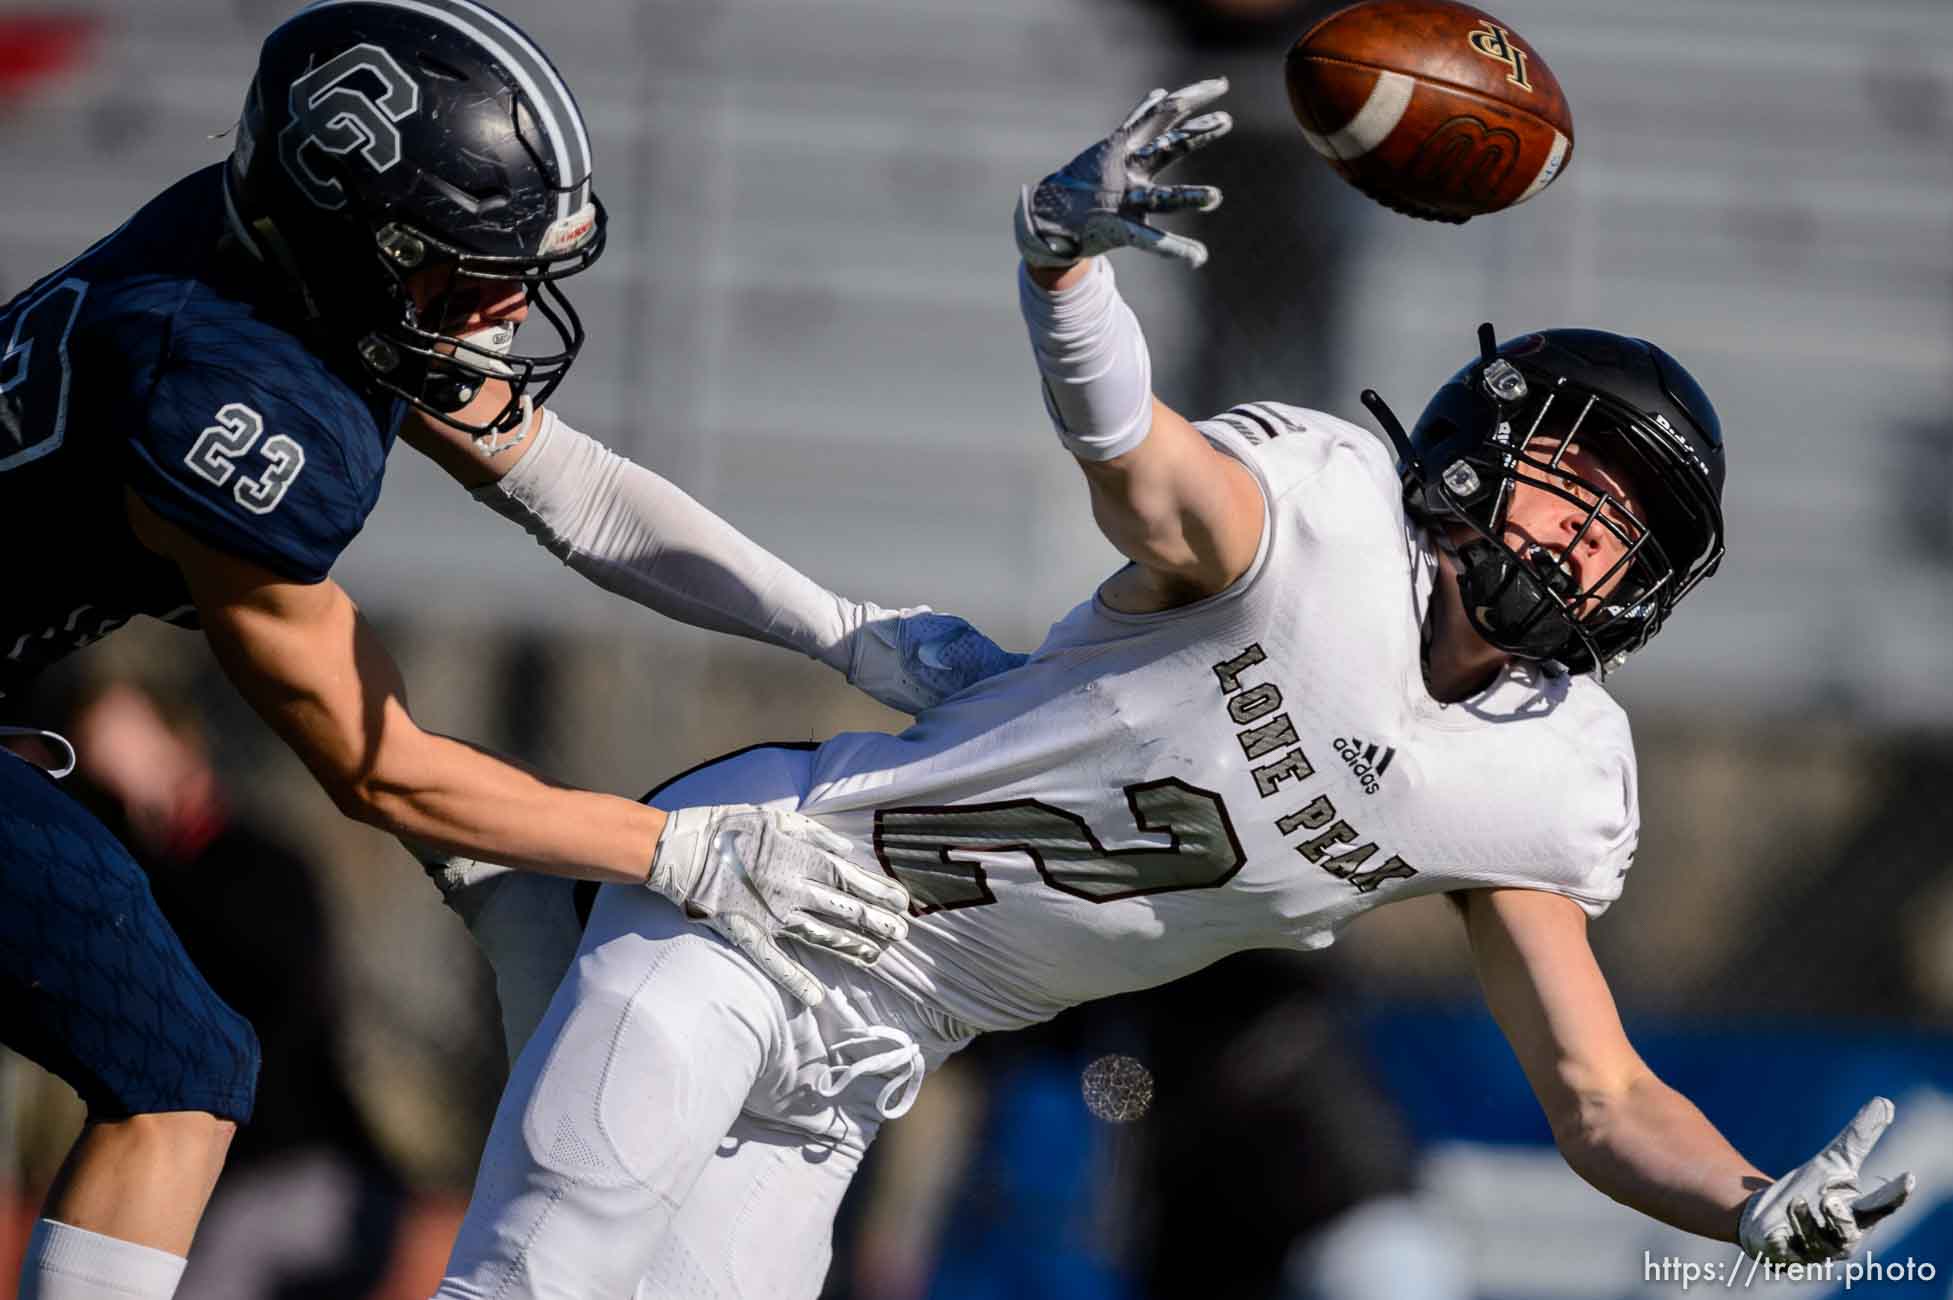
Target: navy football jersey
151,364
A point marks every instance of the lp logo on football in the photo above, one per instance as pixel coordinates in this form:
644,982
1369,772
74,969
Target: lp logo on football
339,118
1495,42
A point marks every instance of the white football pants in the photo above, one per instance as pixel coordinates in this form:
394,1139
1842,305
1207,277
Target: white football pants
678,1126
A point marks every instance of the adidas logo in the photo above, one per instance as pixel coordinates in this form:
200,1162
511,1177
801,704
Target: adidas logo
1364,760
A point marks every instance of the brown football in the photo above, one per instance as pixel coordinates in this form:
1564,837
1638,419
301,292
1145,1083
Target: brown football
1430,107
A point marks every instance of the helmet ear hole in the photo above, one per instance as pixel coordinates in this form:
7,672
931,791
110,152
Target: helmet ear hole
379,354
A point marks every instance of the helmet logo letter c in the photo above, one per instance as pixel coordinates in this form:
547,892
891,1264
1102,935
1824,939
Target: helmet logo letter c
341,118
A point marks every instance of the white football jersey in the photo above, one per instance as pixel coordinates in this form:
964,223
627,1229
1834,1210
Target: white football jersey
1153,792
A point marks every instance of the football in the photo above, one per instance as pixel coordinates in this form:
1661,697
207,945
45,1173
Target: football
1432,108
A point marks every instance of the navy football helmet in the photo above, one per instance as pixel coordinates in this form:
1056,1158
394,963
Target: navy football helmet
396,162
1511,416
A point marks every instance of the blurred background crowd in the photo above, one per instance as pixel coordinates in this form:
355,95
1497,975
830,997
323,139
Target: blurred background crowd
807,318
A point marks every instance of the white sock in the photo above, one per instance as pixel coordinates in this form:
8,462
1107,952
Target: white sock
68,1263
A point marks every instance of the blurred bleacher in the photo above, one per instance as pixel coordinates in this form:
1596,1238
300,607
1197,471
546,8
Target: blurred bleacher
806,315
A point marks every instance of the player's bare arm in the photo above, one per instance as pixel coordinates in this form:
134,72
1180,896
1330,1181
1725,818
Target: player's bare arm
1188,516
1625,1131
311,666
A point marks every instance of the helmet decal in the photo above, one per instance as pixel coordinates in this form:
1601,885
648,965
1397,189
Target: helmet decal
334,111
541,86
569,233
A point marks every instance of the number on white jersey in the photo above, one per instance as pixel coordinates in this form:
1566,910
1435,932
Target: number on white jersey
920,847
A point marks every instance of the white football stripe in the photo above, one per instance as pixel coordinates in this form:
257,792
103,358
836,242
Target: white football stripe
1549,169
1373,122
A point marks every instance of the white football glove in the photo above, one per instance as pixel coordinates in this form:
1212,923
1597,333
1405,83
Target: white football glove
1815,1211
914,659
756,874
1101,199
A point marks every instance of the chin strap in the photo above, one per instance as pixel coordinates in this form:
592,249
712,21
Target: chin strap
496,340
496,441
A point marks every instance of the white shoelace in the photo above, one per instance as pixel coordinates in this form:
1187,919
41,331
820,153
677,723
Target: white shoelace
51,736
902,1061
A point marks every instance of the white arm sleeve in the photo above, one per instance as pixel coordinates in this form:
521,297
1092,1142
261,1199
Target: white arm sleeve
635,534
632,533
1098,377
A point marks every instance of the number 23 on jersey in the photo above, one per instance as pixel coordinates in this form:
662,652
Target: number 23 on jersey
217,450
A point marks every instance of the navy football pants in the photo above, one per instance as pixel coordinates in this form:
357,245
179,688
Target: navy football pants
94,985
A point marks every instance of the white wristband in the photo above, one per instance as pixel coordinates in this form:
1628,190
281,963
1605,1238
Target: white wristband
1098,377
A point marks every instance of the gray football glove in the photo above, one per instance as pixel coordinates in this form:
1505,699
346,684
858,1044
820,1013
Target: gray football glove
914,659
1815,1212
1101,199
756,874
